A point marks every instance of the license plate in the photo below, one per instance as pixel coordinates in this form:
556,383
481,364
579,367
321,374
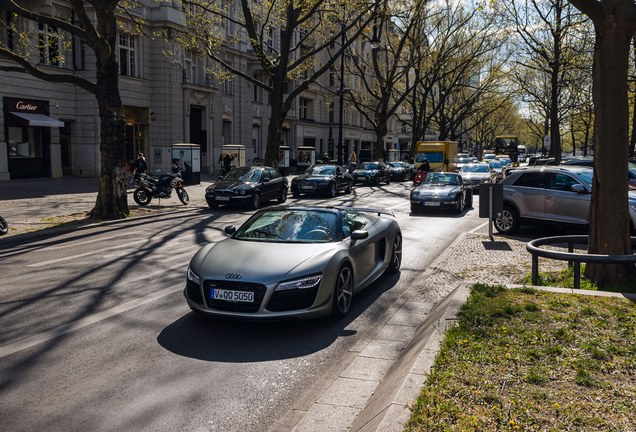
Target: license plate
306,187
233,296
221,198
359,178
431,204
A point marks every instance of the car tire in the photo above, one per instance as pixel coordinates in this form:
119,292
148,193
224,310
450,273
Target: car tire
508,222
283,196
377,180
256,200
142,197
4,226
469,199
333,190
460,205
349,187
396,254
343,292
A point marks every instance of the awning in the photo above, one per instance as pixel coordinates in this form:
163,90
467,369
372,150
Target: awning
39,119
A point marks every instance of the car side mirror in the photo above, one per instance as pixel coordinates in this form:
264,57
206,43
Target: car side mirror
359,235
578,188
230,229
265,180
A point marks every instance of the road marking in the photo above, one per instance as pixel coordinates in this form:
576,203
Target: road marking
76,325
472,231
71,257
73,244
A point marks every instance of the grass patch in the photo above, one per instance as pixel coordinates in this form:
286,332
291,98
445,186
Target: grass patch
567,362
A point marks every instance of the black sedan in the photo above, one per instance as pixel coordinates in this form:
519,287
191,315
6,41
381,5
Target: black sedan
248,185
322,179
441,190
401,171
372,173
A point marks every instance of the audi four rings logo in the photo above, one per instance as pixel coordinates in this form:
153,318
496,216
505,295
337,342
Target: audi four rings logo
233,276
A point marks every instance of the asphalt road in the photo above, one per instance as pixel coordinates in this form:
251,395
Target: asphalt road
95,333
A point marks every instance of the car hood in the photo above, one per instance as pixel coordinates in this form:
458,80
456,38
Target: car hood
233,185
366,172
435,190
261,262
309,177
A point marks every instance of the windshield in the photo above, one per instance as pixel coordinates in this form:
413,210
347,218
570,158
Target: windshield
464,160
586,176
370,166
441,179
243,174
320,171
290,226
432,157
489,156
396,165
474,168
495,164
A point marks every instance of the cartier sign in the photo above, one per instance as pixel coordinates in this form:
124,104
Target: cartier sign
25,105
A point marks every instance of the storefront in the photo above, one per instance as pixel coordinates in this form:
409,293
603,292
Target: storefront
28,136
137,121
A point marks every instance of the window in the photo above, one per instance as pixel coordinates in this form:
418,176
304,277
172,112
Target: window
127,54
49,45
255,136
534,180
257,89
273,173
330,108
227,87
270,39
304,109
562,182
9,30
191,66
332,76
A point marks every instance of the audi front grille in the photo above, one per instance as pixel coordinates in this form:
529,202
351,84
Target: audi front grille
194,292
228,306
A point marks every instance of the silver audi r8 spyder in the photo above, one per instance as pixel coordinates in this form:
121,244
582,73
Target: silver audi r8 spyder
294,262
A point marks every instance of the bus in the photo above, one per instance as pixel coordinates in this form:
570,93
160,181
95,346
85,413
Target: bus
508,145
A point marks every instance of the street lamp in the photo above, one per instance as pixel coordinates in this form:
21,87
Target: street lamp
341,107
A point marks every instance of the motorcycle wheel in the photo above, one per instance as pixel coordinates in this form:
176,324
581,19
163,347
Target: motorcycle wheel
183,195
4,226
142,197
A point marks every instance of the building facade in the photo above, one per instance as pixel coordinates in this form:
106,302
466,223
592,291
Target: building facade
51,130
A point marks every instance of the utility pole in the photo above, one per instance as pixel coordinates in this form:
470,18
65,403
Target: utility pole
341,108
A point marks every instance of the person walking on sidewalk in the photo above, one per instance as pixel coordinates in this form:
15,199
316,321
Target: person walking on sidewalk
140,164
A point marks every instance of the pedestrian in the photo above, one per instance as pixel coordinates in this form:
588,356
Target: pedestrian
140,164
352,158
325,158
227,161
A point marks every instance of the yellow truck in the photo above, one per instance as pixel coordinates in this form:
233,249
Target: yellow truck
438,153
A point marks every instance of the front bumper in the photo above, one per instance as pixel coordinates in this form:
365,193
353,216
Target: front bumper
364,179
268,304
231,199
310,187
434,202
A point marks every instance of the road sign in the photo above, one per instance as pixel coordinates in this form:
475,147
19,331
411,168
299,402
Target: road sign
546,141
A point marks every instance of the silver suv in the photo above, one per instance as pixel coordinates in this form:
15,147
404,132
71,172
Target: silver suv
557,196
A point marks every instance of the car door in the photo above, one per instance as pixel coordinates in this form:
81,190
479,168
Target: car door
562,204
528,193
278,183
268,185
341,179
362,252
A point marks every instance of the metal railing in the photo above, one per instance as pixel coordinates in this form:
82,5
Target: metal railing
573,259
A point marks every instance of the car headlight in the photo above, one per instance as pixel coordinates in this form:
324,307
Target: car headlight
415,193
302,283
243,192
192,276
453,192
209,189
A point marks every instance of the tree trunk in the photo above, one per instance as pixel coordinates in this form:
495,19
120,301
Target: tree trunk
274,130
112,198
380,132
632,141
609,226
555,133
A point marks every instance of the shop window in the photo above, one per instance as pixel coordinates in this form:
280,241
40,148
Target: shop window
127,54
191,66
25,142
49,45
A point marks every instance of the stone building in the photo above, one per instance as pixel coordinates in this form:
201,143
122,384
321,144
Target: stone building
51,130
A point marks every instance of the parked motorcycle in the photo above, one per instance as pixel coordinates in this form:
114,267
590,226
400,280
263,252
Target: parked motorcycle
150,188
4,226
